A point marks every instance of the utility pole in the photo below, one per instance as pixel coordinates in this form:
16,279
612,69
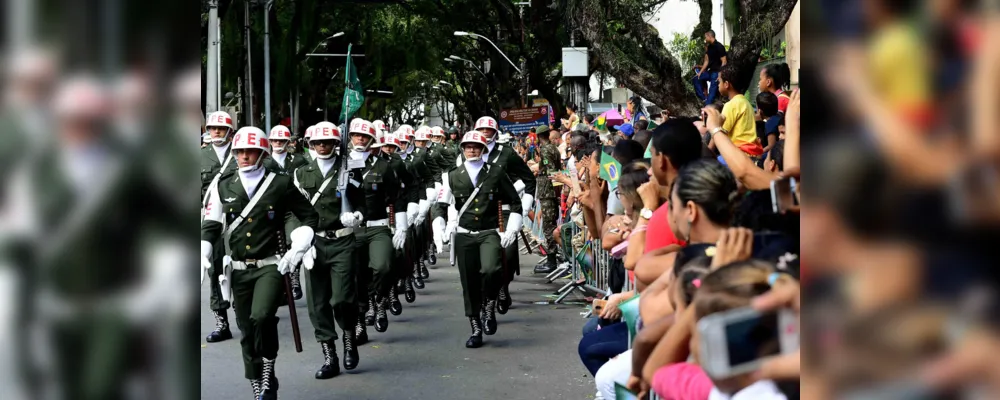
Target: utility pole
267,67
212,67
246,23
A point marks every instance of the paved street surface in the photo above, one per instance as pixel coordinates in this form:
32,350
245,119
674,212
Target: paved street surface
533,355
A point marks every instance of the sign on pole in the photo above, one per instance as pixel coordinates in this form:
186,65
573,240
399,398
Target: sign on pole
521,120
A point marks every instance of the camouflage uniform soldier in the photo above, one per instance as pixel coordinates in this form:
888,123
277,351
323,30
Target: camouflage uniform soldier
550,163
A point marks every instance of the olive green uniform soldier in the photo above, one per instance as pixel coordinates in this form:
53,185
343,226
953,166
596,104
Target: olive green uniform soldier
444,159
413,193
330,276
246,210
551,162
213,156
374,239
422,157
402,268
517,171
281,159
478,190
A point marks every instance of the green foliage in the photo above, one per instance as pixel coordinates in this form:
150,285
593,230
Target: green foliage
768,52
688,52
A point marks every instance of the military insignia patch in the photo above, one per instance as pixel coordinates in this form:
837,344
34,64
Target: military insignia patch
270,214
230,200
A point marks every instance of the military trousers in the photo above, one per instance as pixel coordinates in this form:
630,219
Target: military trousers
550,216
331,291
215,300
373,254
478,257
256,295
95,353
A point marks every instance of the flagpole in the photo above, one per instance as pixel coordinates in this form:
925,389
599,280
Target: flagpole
347,85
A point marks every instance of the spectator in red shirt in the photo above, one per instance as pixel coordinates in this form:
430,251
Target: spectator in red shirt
775,78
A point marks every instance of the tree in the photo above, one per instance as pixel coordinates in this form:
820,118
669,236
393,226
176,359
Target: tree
631,50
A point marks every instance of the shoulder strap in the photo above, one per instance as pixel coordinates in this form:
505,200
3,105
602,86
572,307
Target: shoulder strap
246,210
215,180
473,195
322,187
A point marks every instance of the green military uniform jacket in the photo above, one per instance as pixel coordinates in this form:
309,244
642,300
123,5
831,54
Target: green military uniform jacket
210,165
257,236
380,188
418,161
309,178
408,181
483,212
450,150
437,161
292,162
506,158
551,163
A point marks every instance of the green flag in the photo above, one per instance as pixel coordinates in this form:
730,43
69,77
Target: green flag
352,93
610,170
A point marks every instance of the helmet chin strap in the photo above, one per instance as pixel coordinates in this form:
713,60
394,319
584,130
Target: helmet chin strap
254,167
277,149
324,157
222,141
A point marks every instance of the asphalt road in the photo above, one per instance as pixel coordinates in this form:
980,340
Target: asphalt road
533,355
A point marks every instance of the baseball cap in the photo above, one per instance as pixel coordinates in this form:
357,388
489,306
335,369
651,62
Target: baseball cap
625,129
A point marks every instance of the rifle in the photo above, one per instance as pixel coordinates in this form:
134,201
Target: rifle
288,296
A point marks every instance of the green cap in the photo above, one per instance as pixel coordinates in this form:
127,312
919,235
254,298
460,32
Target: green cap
541,129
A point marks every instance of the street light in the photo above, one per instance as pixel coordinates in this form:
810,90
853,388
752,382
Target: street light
461,33
457,58
445,83
323,42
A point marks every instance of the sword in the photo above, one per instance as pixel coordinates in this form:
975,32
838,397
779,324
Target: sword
288,296
527,245
503,250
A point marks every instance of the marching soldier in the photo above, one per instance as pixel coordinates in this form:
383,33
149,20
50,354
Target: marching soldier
551,162
426,172
413,194
282,160
401,267
310,153
246,212
374,241
478,190
217,160
330,276
504,156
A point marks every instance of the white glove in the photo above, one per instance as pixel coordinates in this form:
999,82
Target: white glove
302,239
206,256
411,213
359,217
510,233
450,229
527,203
348,220
309,260
519,186
399,238
422,214
437,226
431,194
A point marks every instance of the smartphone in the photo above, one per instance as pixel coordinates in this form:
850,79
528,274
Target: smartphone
783,195
704,119
622,393
599,305
737,341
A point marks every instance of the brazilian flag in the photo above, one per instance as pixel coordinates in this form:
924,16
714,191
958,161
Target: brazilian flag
610,170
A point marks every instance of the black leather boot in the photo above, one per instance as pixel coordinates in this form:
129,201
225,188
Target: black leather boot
409,293
503,300
331,365
399,285
490,317
381,318
351,356
360,333
255,384
423,272
476,340
296,284
418,281
370,312
545,268
395,307
434,258
268,381
221,331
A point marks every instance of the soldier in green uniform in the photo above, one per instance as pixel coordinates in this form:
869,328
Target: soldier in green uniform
213,157
283,160
426,174
330,277
309,152
246,210
401,267
374,240
551,163
517,171
413,193
478,190
444,158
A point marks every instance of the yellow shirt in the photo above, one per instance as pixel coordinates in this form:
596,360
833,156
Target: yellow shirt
899,67
739,121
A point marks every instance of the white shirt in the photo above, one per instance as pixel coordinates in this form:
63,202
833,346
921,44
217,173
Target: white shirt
221,151
489,149
473,168
280,158
326,165
251,179
312,153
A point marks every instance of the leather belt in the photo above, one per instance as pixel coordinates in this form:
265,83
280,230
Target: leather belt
339,233
463,230
241,265
505,207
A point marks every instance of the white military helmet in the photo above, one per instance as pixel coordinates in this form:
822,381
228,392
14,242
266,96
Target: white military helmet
487,122
423,133
474,137
379,138
362,127
220,118
250,137
437,131
325,131
392,139
379,125
407,132
279,132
